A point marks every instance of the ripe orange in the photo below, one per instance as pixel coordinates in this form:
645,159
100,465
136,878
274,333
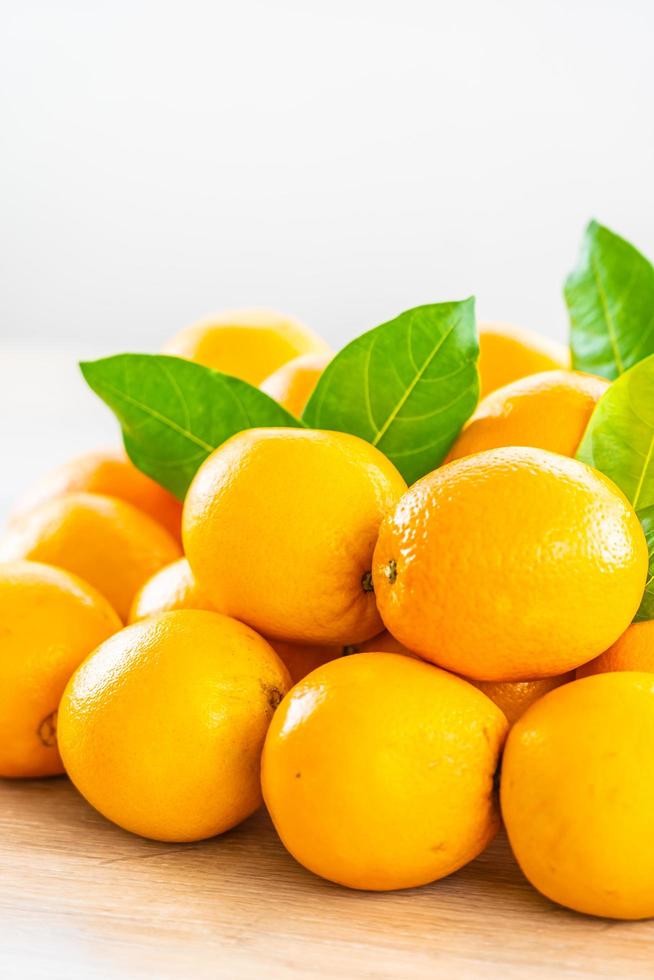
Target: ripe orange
105,541
547,411
279,528
161,729
507,353
511,563
634,650
378,771
249,344
292,384
49,621
301,658
514,697
172,587
577,794
108,472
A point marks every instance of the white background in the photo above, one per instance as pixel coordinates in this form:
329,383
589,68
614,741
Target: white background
341,161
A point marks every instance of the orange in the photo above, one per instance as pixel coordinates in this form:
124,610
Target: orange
547,411
49,621
172,587
301,658
249,344
511,697
507,353
279,527
378,771
110,473
293,383
106,541
514,697
578,795
161,729
510,564
634,650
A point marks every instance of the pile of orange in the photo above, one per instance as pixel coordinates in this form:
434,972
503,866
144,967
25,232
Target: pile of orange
394,670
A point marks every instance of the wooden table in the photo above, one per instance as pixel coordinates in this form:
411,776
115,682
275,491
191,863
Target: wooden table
81,898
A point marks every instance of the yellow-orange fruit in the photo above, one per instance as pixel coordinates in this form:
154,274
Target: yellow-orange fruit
378,771
293,383
511,563
105,541
279,528
577,792
249,344
507,353
161,729
301,658
514,697
172,587
49,621
111,473
547,411
634,650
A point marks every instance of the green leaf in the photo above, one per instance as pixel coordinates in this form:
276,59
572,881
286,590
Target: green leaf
646,608
619,441
406,386
610,298
619,438
174,412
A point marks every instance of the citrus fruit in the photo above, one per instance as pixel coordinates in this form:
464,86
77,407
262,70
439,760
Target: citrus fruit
634,650
249,344
161,728
292,384
279,527
108,472
507,353
547,411
577,794
514,697
384,642
378,771
172,587
511,563
105,541
49,621
301,658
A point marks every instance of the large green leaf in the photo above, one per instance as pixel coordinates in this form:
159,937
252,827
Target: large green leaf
619,441
610,298
407,386
174,413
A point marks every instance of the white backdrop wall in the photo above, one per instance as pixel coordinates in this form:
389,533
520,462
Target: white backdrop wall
340,160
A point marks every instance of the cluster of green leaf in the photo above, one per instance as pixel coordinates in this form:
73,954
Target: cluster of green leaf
610,297
409,385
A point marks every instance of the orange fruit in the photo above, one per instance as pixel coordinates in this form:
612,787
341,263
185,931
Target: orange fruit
511,563
384,642
105,541
547,411
49,621
378,771
108,472
172,587
514,697
301,658
577,794
293,383
279,528
161,729
249,344
507,353
634,650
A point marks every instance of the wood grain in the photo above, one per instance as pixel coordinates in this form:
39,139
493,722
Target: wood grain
81,898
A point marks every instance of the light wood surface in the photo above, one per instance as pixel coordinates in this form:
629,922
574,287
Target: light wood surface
81,898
